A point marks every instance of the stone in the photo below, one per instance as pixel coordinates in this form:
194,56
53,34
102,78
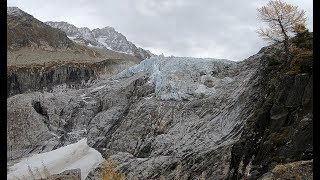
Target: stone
74,174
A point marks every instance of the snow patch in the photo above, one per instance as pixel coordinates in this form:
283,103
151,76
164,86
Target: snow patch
102,41
73,156
203,90
83,95
97,88
72,37
89,102
90,45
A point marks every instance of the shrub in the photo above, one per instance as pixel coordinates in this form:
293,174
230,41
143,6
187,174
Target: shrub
279,169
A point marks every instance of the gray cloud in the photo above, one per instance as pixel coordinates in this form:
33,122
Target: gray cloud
202,28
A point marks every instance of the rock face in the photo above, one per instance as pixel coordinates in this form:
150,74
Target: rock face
176,118
24,30
37,78
21,79
106,37
281,129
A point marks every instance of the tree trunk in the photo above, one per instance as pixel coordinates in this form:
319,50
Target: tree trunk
286,48
285,42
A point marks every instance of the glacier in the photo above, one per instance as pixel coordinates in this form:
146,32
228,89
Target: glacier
181,78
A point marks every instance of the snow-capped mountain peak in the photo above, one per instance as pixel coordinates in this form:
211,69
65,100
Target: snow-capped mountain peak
106,37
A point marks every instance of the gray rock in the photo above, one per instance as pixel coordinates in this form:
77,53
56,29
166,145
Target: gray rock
296,93
295,170
74,174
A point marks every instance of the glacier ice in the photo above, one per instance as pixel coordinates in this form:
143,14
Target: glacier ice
180,78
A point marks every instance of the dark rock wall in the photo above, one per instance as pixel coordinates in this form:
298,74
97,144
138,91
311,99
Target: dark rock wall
37,78
281,129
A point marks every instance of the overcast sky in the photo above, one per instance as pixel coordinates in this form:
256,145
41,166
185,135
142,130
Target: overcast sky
196,28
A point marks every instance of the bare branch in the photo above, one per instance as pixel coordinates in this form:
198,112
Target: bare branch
281,18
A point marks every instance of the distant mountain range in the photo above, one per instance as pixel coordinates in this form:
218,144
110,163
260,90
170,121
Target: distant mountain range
106,37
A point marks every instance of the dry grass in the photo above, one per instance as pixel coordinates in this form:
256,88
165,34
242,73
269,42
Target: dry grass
296,170
279,169
109,172
28,56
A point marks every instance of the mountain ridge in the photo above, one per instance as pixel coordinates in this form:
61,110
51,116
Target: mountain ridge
106,37
25,30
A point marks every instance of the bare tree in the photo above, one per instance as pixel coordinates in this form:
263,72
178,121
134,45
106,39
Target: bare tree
282,20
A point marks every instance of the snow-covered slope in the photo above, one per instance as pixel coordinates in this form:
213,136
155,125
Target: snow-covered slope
106,37
181,78
73,156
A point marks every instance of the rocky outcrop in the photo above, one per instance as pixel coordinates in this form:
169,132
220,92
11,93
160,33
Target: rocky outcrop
281,129
74,174
37,78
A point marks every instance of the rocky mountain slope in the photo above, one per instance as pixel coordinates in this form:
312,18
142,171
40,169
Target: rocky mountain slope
24,30
178,118
281,129
164,133
40,56
106,37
